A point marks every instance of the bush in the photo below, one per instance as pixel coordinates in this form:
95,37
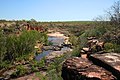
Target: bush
74,40
39,64
23,44
2,46
5,65
76,51
21,70
109,47
96,31
33,68
15,47
117,48
82,40
41,76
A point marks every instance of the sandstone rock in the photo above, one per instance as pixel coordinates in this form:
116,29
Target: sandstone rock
86,49
82,69
110,61
90,38
54,54
48,48
95,44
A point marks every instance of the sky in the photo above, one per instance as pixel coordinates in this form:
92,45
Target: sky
53,10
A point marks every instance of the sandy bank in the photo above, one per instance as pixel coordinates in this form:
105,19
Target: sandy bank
57,34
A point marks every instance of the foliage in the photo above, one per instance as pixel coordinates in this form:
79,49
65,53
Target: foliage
76,51
40,63
114,13
21,70
16,48
54,69
109,47
117,48
83,40
5,65
41,77
21,45
74,40
2,46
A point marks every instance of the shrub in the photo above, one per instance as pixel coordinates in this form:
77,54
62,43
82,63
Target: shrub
5,65
117,48
23,44
2,46
82,40
21,70
33,68
41,76
74,40
76,51
109,47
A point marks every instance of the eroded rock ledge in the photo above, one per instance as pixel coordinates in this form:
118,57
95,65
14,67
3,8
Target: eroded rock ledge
109,61
78,68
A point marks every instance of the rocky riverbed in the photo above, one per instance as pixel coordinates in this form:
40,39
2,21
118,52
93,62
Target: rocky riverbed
58,47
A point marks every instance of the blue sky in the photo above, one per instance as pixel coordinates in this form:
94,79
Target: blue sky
53,10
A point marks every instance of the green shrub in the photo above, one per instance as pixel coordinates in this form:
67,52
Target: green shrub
117,48
41,76
5,65
109,47
74,40
2,47
82,40
34,68
21,70
39,64
76,51
18,46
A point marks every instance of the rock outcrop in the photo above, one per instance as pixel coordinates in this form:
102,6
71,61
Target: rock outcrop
82,69
93,45
109,61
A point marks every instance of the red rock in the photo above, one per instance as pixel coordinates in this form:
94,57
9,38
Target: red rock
110,61
82,69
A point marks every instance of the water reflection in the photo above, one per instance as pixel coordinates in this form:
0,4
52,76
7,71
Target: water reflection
43,54
56,41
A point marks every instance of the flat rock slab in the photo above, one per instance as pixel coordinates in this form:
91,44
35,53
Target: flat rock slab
110,61
82,69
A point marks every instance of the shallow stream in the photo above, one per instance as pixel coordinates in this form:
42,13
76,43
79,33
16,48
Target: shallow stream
57,41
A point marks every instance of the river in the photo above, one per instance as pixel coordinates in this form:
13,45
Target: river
57,39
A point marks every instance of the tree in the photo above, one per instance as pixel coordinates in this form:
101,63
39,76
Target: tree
114,13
